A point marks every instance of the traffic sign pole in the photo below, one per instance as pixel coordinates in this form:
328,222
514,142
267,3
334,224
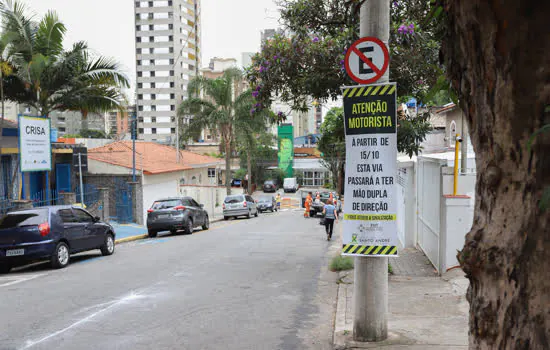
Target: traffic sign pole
371,273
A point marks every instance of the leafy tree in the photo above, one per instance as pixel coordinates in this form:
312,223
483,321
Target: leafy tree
497,58
333,146
47,77
212,105
249,132
262,155
308,63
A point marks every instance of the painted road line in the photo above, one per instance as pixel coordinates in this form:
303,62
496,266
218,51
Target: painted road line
11,280
114,303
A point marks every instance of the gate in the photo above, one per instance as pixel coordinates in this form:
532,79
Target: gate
123,202
93,201
429,201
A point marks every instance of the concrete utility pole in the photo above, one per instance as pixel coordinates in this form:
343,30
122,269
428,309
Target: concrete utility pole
370,322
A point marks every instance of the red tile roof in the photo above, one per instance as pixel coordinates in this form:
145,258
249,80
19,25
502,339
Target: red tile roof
446,108
151,157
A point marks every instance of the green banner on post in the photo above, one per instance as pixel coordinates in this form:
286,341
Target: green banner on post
286,149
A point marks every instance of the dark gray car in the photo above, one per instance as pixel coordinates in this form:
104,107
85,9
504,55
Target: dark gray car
174,214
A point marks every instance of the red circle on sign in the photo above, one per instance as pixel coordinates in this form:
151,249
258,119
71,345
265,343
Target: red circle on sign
380,72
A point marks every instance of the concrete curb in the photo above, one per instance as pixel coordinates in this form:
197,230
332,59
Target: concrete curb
340,331
131,238
145,235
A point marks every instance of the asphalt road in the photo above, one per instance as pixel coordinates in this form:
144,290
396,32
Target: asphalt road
244,284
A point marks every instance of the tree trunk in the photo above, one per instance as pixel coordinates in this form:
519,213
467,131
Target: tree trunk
497,55
2,97
341,171
249,170
227,142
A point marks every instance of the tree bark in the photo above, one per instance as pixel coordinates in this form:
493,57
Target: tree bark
497,55
227,143
2,97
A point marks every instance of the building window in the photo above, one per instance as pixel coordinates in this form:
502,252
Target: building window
153,119
314,178
172,130
211,172
153,130
140,130
61,129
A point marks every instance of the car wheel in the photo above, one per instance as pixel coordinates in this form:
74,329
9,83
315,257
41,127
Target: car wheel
152,234
61,256
256,215
226,218
206,225
108,248
189,229
5,268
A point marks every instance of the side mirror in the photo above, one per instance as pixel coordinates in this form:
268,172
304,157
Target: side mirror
202,205
97,219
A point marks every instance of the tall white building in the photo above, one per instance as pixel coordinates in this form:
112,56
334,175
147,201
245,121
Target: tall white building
167,57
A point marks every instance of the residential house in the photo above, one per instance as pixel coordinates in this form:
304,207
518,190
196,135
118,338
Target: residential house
159,172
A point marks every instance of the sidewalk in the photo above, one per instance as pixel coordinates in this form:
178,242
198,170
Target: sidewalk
132,232
425,311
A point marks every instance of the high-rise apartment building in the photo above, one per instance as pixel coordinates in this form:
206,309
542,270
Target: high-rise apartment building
167,57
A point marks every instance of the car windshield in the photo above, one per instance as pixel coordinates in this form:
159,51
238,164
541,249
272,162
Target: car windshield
269,182
265,200
166,204
24,218
233,199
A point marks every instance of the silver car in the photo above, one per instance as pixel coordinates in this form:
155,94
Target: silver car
239,205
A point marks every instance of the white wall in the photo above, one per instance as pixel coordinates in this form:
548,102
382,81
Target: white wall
211,196
456,220
158,186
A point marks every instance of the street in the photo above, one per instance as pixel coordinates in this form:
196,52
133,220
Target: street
244,284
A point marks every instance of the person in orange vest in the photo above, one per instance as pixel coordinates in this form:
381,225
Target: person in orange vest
309,201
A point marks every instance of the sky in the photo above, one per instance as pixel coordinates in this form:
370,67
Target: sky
229,27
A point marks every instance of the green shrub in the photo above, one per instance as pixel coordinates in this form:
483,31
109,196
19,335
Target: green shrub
341,263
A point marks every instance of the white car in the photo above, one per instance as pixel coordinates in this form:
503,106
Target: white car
290,184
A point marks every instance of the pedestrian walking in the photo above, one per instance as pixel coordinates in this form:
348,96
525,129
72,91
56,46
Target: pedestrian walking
278,201
330,214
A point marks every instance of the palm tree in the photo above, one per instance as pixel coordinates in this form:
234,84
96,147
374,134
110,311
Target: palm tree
52,78
216,110
248,129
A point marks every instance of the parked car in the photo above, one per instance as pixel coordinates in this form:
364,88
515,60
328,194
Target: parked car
267,203
317,208
270,186
54,233
239,205
236,182
290,184
174,214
